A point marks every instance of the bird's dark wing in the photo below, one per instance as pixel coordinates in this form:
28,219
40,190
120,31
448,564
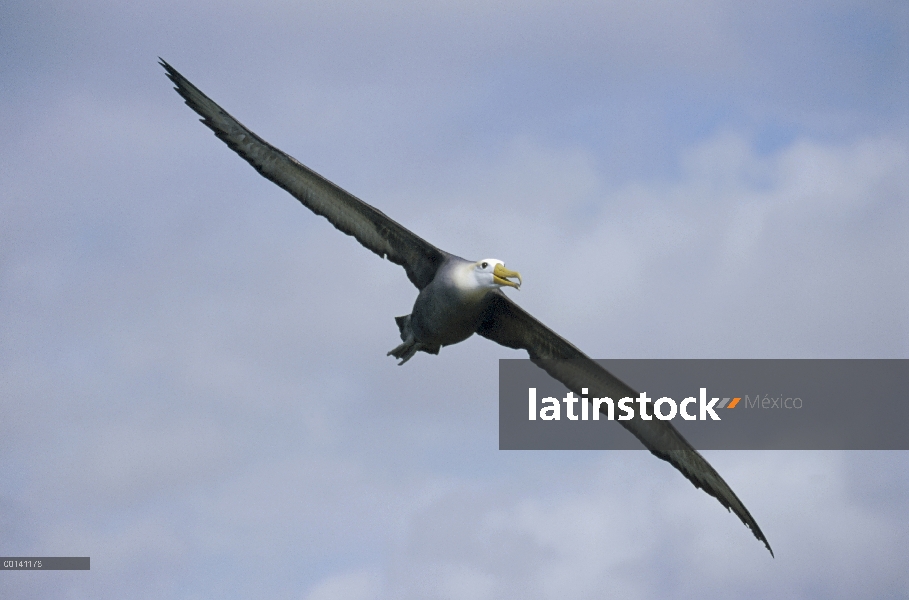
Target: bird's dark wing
508,324
345,211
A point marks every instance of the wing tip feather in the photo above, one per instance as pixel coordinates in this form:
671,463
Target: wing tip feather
740,511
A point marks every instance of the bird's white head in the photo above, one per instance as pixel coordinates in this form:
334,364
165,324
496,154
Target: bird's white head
491,273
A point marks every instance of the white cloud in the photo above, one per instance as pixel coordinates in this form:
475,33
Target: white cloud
359,585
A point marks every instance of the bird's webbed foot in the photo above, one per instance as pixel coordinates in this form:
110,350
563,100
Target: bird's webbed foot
405,351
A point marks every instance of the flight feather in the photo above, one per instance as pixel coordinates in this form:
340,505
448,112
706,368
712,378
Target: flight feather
372,228
510,325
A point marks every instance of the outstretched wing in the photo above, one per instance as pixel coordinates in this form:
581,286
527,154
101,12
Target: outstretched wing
508,324
345,211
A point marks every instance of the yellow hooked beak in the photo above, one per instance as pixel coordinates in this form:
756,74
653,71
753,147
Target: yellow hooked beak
500,275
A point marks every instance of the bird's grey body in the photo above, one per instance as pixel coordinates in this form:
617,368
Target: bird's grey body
457,297
444,312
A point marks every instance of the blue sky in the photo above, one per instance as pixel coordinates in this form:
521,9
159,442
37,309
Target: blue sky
193,378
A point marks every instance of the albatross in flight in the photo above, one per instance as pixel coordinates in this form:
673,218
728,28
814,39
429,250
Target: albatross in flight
457,297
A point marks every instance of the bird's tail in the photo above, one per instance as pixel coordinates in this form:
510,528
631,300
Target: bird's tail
403,326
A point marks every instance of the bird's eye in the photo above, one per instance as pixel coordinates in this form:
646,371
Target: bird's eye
484,265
